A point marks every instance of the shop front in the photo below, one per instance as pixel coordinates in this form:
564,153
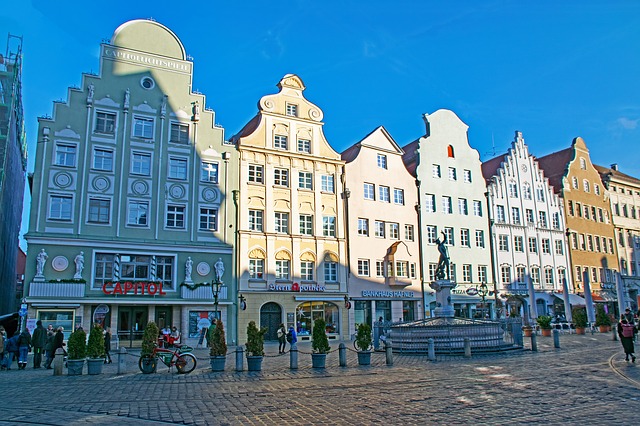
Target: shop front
392,306
474,302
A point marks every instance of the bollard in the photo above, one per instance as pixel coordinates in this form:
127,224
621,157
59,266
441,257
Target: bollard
615,333
431,349
556,338
518,339
467,347
293,357
58,362
534,342
388,351
122,364
342,355
239,358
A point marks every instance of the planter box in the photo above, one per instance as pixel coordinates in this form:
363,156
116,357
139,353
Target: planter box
364,357
254,363
218,362
94,366
580,330
546,332
318,360
75,367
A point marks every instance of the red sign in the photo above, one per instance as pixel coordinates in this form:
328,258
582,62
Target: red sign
150,288
295,287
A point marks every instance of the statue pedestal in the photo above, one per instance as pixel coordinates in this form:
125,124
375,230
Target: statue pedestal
39,278
444,307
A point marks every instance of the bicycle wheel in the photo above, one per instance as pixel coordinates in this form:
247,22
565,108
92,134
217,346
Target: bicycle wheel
147,364
186,363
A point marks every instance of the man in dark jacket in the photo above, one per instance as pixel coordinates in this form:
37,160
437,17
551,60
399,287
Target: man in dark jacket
58,342
24,346
10,350
38,341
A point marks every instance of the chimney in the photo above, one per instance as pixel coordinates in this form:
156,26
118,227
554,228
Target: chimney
614,166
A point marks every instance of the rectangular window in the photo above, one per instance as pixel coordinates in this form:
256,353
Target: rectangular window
102,160
134,267
329,226
447,208
60,207
280,142
306,224
477,208
482,273
369,191
208,219
535,276
179,133
466,274
382,161
513,190
542,218
452,173
448,232
560,249
578,273
104,269
394,231
556,220
408,232
363,267
520,274
281,222
402,269
430,203
177,168
327,183
548,277
175,216
65,155
143,127
306,271
256,173
141,164
518,243
363,227
435,170
292,110
467,176
540,194
138,213
546,246
505,275
305,180
515,215
209,172
383,194
432,234
464,238
256,220
105,123
533,245
282,270
331,272
529,214
503,242
412,270
398,196
432,271
462,206
379,268
304,146
500,217
281,177
379,228
256,269
479,238
99,210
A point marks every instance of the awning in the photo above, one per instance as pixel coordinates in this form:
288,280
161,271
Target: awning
463,298
603,297
574,299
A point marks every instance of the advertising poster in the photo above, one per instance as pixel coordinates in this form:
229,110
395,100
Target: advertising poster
199,320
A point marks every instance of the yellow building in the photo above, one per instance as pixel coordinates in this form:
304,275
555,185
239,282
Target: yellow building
290,243
589,228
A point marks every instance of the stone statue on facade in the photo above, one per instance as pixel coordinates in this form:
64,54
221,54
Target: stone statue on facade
127,95
442,269
41,259
79,261
219,269
188,269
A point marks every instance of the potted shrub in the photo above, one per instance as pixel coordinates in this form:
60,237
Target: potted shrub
255,346
320,344
76,352
147,363
95,351
544,321
363,343
579,316
217,346
602,319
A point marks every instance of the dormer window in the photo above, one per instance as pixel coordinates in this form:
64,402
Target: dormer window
292,110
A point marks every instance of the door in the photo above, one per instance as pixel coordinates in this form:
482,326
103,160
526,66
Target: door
163,316
131,323
271,317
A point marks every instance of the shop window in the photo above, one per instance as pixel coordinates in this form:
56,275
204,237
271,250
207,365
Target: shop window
308,312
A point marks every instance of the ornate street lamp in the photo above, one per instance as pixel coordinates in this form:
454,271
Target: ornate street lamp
216,286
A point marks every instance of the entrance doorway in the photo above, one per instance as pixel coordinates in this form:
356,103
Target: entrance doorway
163,316
131,323
271,317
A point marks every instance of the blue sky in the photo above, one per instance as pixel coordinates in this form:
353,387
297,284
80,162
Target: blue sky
553,70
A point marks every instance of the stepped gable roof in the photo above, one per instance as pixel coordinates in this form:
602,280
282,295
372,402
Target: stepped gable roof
609,172
555,166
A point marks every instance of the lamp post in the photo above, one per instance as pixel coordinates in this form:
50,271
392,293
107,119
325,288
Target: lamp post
215,289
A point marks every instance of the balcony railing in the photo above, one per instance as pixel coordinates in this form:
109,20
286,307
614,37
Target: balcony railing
202,293
56,289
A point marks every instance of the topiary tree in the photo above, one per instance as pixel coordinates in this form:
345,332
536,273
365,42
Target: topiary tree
149,338
216,339
579,316
95,347
602,319
77,345
544,321
320,342
255,339
363,337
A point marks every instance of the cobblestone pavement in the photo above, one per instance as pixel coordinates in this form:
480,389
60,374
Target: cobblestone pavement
585,381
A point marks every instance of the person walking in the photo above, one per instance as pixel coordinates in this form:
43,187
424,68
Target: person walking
628,315
48,346
107,345
627,332
38,340
282,338
58,342
24,347
10,350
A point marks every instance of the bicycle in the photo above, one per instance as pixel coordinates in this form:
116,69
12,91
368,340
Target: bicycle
181,357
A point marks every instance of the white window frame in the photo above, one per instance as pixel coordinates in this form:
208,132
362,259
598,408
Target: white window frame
280,142
179,132
381,160
307,270
398,196
105,123
178,168
363,227
306,224
281,222
329,226
140,209
304,146
369,191
283,269
66,154
141,163
379,230
256,220
209,218
256,174
60,207
281,177
327,184
363,267
143,127
209,172
102,159
101,210
384,194
305,180
176,216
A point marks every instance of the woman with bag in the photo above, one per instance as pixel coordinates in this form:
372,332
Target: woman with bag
282,338
626,332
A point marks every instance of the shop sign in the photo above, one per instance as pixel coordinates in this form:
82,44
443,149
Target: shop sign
149,288
297,287
472,291
372,293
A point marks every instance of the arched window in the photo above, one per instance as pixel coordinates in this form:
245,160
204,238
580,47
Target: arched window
450,152
256,264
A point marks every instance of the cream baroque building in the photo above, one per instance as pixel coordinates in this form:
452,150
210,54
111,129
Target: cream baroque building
451,191
384,256
291,244
528,229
